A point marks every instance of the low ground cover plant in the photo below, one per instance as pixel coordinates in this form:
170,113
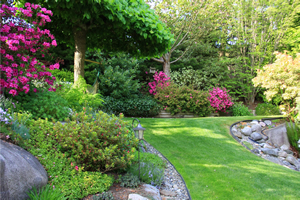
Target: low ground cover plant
267,109
182,99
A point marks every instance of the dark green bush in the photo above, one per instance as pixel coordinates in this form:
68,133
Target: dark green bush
176,99
239,109
267,109
45,193
118,83
98,143
63,75
140,106
293,133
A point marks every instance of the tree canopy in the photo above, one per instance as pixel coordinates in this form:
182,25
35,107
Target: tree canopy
113,25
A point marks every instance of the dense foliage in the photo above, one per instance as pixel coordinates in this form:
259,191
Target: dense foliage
99,142
267,109
182,99
281,78
140,106
239,109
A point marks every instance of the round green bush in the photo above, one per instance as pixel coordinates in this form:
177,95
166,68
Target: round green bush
239,109
267,109
182,99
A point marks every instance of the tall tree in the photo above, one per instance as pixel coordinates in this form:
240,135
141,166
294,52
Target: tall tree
253,31
186,20
114,25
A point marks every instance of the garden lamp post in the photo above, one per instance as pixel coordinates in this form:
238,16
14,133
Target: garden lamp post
139,134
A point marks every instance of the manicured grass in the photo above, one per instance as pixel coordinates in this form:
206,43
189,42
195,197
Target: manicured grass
214,165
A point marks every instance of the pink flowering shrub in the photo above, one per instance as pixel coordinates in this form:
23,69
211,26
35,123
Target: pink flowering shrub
21,44
220,99
160,80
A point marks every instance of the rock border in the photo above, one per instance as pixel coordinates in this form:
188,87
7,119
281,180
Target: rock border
262,146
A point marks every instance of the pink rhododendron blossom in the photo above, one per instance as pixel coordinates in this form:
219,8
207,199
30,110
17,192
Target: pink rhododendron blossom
23,41
219,99
160,80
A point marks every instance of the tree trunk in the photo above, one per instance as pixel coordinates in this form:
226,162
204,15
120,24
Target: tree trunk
79,54
167,68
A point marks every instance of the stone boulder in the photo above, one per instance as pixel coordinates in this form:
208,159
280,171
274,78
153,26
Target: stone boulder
246,131
278,135
272,152
256,136
256,128
19,172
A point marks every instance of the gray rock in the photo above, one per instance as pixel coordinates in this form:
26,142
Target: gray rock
246,131
168,193
272,152
291,159
289,152
261,141
273,159
268,122
278,135
238,134
262,124
256,128
286,163
136,197
282,154
19,172
256,151
284,147
254,122
234,129
256,136
266,145
265,137
153,191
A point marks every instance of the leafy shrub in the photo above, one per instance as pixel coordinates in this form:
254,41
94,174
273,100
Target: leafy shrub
281,78
142,106
63,172
239,109
188,77
63,74
118,83
44,104
77,95
45,193
130,180
183,99
104,196
266,109
151,170
98,143
293,132
220,99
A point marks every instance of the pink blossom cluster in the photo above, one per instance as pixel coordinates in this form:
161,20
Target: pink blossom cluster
220,99
160,80
21,44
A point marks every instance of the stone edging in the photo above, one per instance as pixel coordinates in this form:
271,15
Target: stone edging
188,192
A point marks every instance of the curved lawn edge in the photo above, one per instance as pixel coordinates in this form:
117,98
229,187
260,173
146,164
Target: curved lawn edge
187,190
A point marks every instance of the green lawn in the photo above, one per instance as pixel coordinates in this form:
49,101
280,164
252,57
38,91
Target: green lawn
214,165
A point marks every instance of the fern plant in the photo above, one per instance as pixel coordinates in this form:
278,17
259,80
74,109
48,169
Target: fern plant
293,132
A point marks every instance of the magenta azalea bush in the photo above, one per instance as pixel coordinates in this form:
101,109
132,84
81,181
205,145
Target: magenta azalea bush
160,80
219,99
21,44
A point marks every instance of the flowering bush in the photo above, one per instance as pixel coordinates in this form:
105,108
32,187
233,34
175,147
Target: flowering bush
21,44
160,80
281,78
182,99
98,143
220,99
